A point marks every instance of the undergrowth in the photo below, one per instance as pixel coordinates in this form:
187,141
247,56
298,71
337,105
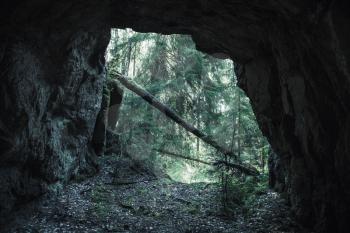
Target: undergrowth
240,193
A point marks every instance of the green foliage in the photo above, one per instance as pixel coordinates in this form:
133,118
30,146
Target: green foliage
241,193
101,198
201,89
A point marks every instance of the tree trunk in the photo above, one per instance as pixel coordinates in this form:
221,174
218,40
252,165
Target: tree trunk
198,121
128,59
99,136
134,60
239,127
244,168
171,154
115,101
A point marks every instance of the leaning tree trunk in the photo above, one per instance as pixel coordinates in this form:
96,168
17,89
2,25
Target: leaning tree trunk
244,168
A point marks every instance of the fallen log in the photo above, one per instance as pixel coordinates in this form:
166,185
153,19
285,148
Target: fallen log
148,97
171,154
219,163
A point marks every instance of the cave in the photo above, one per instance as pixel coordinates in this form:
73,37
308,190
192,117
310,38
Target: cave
291,59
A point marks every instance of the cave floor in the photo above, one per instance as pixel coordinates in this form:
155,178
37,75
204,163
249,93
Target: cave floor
137,202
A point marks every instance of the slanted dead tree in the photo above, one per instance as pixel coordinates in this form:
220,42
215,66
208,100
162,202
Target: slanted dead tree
218,163
149,98
174,155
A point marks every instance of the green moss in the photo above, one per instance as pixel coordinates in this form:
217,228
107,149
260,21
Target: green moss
103,202
193,209
55,188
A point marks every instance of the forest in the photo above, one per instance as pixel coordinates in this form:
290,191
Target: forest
203,91
178,145
170,116
198,87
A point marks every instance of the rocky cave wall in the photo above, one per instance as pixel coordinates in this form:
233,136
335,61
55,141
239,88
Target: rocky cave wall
292,60
52,75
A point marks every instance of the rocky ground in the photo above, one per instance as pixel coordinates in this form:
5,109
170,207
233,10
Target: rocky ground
129,199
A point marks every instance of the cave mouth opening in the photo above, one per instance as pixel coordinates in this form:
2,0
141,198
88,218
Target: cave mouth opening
202,90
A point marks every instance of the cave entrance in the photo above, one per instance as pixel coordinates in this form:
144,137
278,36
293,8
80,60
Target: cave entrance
201,89
158,158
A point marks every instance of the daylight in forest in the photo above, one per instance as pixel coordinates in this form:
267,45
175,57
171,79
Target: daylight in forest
201,89
205,116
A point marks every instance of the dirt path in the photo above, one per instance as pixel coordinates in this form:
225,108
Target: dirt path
132,201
